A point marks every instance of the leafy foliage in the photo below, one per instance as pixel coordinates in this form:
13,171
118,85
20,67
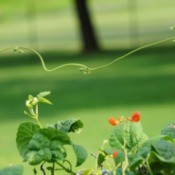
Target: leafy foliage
12,170
136,153
81,154
169,131
45,144
24,135
131,132
38,145
70,125
129,152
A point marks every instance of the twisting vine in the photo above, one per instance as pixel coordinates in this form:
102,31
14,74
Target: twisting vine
82,67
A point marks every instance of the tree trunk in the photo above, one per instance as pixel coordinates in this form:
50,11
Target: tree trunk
88,35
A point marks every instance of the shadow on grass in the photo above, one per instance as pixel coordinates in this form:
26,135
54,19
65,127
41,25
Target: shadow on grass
112,88
68,95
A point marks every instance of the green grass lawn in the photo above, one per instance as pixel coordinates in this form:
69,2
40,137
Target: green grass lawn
142,82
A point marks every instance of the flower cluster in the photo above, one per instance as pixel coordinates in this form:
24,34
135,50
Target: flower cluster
134,118
116,121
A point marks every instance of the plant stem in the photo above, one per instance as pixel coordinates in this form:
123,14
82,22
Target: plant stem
53,169
133,51
86,68
125,163
42,169
36,110
37,116
66,169
39,123
147,164
43,63
35,171
99,67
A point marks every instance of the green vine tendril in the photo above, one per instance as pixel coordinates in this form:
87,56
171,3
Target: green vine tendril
82,67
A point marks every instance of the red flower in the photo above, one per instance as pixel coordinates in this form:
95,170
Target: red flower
114,154
113,121
135,117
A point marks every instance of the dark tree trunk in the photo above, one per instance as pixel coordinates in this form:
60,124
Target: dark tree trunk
88,35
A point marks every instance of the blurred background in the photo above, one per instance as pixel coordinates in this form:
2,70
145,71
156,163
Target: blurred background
61,25
92,33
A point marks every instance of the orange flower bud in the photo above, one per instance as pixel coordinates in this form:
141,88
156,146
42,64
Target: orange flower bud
113,121
135,117
114,154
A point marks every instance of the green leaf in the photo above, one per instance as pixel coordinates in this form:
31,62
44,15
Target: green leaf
55,144
135,161
114,142
33,158
159,166
116,139
76,126
119,132
70,125
143,139
143,151
130,131
134,134
58,155
53,134
24,135
34,145
137,134
58,151
45,154
152,141
169,131
161,155
44,100
43,94
40,140
47,145
100,159
164,151
12,170
81,154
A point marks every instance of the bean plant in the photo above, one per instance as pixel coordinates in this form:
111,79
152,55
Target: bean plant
127,151
45,146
